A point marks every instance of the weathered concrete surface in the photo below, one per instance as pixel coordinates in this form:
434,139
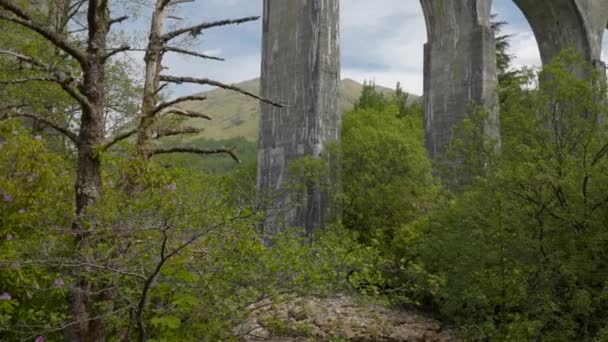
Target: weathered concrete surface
300,67
459,69
563,24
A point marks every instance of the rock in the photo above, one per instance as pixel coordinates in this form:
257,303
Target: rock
298,313
346,317
260,333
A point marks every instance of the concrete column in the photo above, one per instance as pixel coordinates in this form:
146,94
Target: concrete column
459,69
300,67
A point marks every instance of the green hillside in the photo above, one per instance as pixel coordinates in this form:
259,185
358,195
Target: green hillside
234,124
236,116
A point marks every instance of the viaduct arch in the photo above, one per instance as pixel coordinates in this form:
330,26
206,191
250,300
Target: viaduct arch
301,66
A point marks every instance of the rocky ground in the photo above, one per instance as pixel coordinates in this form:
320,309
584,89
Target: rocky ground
340,318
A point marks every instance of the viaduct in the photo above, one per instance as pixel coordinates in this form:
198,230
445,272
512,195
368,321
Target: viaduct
301,66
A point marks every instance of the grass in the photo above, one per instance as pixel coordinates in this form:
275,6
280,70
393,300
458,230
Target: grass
237,116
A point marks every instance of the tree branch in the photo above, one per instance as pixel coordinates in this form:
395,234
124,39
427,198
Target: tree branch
27,59
166,3
160,88
164,105
66,132
601,154
171,132
188,113
197,29
206,81
195,150
28,79
118,50
117,20
116,139
64,79
175,2
24,19
192,53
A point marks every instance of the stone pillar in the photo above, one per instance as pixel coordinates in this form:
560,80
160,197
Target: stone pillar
459,70
300,67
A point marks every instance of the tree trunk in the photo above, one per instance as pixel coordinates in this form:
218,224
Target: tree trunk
153,59
88,178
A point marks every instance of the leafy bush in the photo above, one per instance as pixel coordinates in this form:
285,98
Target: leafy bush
35,205
386,172
522,251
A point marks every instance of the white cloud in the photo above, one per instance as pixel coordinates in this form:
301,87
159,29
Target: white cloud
525,49
380,39
383,41
410,82
233,70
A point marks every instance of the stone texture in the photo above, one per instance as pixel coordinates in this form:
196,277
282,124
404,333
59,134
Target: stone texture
324,319
300,67
459,69
562,24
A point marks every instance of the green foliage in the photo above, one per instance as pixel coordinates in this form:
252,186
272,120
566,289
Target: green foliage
245,150
386,174
371,98
522,252
472,148
503,58
35,204
387,184
181,243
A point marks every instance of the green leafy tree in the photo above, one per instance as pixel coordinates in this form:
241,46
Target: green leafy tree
521,251
35,206
386,174
370,97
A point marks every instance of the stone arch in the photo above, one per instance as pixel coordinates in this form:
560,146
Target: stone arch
523,45
460,60
562,24
300,66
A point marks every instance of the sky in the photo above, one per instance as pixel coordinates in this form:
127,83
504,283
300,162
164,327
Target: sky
381,40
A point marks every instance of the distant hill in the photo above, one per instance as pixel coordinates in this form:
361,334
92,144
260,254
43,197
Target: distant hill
236,116
234,124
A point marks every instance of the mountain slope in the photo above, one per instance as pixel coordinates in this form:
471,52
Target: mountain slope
235,115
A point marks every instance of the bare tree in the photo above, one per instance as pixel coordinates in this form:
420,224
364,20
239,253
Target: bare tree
85,86
161,42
